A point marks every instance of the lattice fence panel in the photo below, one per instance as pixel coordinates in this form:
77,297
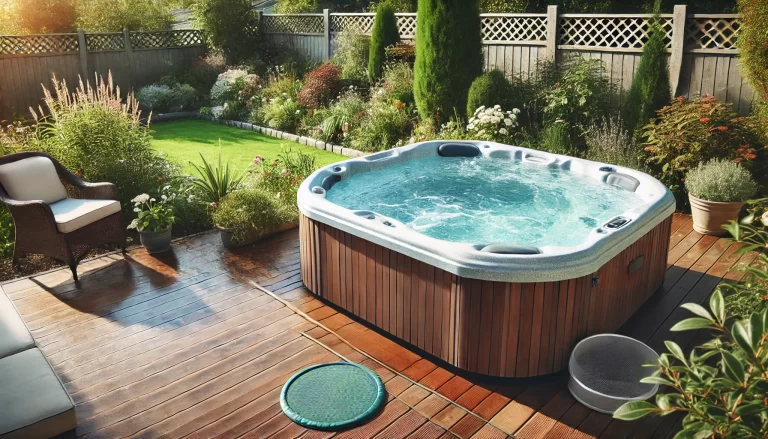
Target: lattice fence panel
38,44
616,32
361,22
712,33
511,28
104,42
406,23
159,40
293,24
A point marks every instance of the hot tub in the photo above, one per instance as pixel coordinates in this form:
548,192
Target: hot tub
495,259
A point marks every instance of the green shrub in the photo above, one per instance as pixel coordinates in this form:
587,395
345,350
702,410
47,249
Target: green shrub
580,96
352,48
342,117
489,89
650,86
114,16
399,5
164,99
7,233
505,6
609,142
283,114
99,136
383,126
230,26
299,6
320,86
742,299
283,86
398,82
252,210
449,55
190,210
686,133
385,33
215,182
721,181
556,138
284,175
753,32
721,385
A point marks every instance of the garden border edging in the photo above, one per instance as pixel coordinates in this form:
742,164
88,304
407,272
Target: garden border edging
306,141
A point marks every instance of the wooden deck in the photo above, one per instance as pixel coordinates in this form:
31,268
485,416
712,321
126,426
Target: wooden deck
198,343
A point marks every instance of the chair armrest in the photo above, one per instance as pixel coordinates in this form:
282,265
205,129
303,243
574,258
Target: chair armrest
95,191
31,215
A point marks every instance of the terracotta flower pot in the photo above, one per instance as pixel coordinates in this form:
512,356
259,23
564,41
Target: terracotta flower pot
156,242
710,216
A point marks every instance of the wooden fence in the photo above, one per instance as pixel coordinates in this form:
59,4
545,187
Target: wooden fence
702,47
135,59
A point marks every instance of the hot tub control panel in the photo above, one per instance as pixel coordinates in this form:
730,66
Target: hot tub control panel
617,222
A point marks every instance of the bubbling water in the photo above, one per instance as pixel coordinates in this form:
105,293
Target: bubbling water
486,201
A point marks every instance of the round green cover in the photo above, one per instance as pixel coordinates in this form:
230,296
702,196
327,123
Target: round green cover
332,396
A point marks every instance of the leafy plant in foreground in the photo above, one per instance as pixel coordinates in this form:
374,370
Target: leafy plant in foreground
215,183
721,386
385,33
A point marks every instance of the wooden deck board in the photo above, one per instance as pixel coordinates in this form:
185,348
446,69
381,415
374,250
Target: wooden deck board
188,345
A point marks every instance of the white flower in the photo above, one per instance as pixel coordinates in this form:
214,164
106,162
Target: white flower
285,94
141,198
134,223
508,122
503,131
298,111
136,209
471,127
516,110
495,120
497,107
482,108
163,197
489,111
165,188
152,200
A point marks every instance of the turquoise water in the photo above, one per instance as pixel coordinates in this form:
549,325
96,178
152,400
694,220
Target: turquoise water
486,201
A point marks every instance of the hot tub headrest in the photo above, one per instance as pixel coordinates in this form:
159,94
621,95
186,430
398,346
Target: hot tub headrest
506,249
458,150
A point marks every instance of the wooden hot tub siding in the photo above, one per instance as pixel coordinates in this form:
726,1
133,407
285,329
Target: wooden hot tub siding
492,328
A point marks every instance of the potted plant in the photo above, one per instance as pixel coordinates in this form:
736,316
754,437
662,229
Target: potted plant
249,214
154,221
717,191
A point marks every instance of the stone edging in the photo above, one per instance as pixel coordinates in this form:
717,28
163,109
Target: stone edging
307,141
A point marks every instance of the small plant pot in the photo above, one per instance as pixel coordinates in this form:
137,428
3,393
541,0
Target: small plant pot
156,242
710,216
251,237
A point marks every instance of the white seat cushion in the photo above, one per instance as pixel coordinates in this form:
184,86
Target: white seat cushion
71,214
33,178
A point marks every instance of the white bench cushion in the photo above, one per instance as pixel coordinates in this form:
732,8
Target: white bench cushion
71,214
33,178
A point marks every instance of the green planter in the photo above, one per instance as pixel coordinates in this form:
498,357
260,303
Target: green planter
156,242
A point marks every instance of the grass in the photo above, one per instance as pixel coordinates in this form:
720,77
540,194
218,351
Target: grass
184,141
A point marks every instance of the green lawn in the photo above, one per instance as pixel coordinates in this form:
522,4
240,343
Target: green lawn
184,141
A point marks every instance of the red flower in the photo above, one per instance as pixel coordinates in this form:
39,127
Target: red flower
159,179
722,128
214,205
705,120
680,99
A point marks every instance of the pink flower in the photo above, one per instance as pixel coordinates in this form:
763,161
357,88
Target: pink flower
258,159
214,205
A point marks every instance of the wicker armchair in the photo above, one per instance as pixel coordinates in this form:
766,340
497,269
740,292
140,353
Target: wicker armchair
55,212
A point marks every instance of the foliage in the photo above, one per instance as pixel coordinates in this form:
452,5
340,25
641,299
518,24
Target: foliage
401,52
581,95
448,55
203,73
398,82
399,5
752,295
493,124
650,86
320,86
191,213
234,85
165,99
214,183
252,210
283,114
351,55
556,138
382,126
752,37
37,16
342,116
609,142
385,33
116,15
490,88
506,6
723,401
7,232
299,6
283,85
101,137
688,132
283,175
230,26
153,215
721,181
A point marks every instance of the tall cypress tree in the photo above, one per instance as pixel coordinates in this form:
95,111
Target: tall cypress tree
650,86
449,55
385,33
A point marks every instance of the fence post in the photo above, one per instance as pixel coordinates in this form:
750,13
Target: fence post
552,33
129,53
326,34
260,22
678,44
83,55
